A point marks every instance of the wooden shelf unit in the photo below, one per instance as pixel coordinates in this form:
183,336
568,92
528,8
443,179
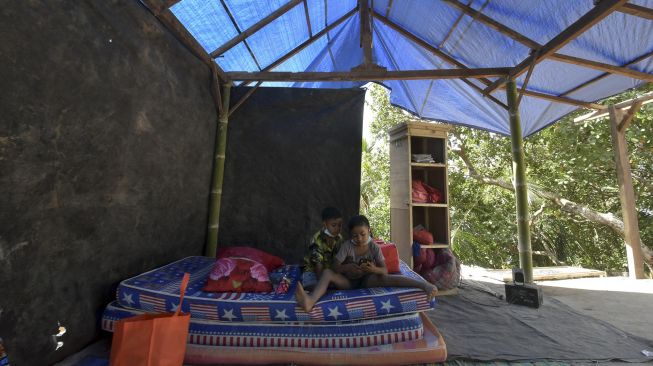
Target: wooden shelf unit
418,138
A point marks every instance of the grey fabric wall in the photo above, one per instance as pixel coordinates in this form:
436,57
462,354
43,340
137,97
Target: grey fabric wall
291,152
106,138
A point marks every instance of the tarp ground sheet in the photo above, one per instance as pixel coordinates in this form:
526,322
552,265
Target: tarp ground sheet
479,326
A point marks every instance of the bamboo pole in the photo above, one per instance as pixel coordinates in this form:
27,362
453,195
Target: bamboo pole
218,174
519,182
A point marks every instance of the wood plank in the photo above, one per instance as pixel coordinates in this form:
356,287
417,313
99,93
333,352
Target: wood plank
181,33
437,52
416,204
453,291
428,165
626,196
446,57
308,42
254,28
365,31
466,9
233,22
434,246
368,75
170,3
308,20
595,15
625,105
613,69
636,10
493,23
602,76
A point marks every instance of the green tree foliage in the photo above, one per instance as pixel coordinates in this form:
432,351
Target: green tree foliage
375,163
571,160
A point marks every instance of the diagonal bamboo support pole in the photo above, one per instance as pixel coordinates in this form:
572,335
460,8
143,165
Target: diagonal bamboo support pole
521,186
218,174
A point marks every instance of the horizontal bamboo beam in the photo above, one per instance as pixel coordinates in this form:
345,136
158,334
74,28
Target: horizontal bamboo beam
595,15
619,70
437,52
638,11
171,22
604,75
625,105
449,59
565,100
254,28
613,69
369,75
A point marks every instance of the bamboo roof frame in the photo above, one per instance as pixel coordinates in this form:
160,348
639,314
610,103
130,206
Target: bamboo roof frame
369,71
546,51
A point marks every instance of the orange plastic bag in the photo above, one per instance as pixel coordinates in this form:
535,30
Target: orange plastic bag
152,339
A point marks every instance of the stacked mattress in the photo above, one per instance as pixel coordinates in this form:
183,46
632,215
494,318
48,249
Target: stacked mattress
378,320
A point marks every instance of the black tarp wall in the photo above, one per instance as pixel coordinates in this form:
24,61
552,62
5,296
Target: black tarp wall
106,140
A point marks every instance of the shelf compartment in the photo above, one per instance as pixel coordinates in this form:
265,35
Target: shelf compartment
435,220
428,145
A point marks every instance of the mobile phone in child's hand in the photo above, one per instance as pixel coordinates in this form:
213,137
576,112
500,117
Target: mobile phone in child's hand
363,261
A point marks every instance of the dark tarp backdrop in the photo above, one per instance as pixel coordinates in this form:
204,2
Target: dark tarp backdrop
106,141
105,148
291,152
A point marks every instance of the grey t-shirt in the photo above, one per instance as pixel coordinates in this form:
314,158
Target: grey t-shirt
347,253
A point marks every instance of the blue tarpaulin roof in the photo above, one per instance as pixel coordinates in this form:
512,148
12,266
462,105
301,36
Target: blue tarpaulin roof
618,39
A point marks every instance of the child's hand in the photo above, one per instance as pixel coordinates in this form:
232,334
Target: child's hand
368,267
354,271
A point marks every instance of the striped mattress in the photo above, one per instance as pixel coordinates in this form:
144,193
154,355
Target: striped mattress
158,291
363,333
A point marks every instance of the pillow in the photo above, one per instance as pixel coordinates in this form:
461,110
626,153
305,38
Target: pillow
391,255
423,237
271,262
238,275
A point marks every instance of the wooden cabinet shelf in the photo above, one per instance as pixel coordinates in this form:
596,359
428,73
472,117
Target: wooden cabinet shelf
424,142
428,165
417,204
435,245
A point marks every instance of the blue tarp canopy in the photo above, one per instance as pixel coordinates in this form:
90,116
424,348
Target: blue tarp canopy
612,54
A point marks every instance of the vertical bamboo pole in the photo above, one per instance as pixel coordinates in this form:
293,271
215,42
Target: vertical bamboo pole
218,173
626,194
519,182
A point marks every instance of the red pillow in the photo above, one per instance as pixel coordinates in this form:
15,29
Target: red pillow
271,262
238,275
423,237
389,251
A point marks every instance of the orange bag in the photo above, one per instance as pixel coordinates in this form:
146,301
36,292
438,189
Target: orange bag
152,339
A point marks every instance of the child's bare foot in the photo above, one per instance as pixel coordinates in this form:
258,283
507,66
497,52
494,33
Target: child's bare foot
431,291
302,298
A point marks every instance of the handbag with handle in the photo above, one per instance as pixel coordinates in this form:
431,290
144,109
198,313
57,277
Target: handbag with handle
152,339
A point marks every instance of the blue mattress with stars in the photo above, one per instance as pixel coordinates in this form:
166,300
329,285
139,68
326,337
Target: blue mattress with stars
158,291
360,333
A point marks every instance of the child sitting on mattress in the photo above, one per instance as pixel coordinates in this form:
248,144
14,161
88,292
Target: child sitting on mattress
359,263
324,245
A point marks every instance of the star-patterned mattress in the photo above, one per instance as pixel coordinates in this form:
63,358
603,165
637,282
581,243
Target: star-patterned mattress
362,333
158,291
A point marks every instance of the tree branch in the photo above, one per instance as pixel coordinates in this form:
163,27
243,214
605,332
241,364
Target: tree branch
606,219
